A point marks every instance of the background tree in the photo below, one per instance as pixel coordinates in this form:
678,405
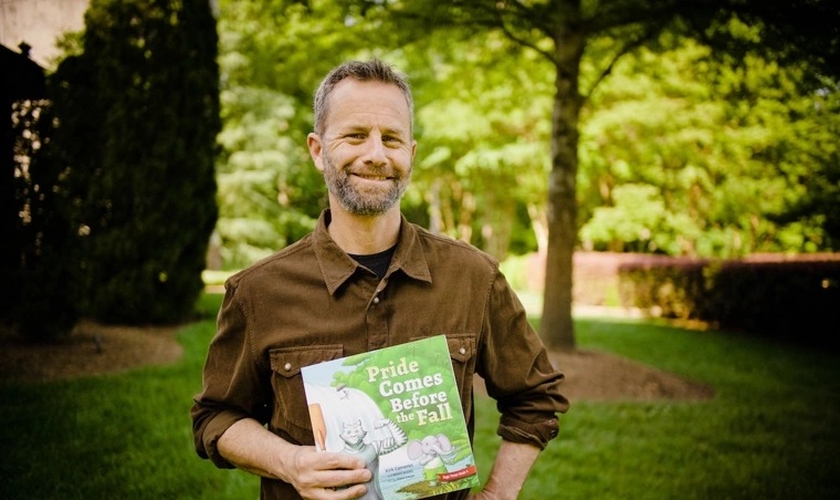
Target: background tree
720,148
44,304
818,209
21,82
138,118
272,56
481,161
487,74
475,151
563,30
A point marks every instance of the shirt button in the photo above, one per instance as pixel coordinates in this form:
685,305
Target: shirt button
376,300
462,351
287,366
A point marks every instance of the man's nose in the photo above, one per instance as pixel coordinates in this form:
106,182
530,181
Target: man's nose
375,150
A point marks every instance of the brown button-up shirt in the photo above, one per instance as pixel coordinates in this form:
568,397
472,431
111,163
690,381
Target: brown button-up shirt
312,302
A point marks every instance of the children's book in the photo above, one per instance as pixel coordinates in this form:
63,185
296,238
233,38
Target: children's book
399,409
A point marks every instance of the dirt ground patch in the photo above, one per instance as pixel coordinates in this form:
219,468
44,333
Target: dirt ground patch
95,349
91,349
600,376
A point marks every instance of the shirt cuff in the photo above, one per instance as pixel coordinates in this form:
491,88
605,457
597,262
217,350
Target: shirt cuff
213,430
537,434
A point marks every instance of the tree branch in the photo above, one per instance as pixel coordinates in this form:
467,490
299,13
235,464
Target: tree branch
628,47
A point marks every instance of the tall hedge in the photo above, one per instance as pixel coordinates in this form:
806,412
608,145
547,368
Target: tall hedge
144,151
43,305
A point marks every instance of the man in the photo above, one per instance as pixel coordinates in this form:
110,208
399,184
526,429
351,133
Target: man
364,279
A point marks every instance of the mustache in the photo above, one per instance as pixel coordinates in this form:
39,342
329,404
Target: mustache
373,171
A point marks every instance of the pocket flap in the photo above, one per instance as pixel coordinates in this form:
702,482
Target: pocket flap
287,361
461,347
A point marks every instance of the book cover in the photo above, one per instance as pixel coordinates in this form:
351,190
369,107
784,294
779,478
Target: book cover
399,409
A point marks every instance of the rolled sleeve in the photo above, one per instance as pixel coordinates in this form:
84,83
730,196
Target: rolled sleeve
538,434
232,385
518,373
208,427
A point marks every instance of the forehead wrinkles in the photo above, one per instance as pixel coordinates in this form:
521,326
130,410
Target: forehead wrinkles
365,120
367,104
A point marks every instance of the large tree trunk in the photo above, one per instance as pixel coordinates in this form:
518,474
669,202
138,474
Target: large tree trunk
556,328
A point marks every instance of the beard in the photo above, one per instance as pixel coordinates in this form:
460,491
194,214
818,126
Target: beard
368,201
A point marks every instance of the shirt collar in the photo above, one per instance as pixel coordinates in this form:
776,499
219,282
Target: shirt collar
337,267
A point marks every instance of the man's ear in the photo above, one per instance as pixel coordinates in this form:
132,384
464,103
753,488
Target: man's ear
316,147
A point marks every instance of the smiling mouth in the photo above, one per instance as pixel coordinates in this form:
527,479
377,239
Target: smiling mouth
373,177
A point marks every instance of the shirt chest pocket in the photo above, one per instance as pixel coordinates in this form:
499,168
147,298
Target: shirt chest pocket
462,352
290,409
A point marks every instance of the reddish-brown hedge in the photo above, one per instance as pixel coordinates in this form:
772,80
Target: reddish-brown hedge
790,298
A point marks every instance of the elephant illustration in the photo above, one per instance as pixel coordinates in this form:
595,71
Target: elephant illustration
433,452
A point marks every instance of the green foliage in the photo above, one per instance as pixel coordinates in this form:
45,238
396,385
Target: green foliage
724,148
710,135
269,192
637,221
482,159
515,269
770,432
269,196
44,304
139,113
272,57
208,305
814,216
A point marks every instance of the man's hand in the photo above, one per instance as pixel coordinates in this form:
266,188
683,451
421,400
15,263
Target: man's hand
326,476
315,475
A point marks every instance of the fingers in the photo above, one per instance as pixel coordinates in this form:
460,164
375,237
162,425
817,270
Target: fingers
329,476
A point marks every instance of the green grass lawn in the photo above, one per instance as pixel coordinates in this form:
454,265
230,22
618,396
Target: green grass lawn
771,432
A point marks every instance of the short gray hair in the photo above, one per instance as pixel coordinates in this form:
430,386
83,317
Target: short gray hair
363,71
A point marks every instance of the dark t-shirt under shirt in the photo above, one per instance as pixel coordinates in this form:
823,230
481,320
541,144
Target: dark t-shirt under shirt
376,262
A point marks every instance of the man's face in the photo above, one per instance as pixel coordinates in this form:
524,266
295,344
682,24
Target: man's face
366,150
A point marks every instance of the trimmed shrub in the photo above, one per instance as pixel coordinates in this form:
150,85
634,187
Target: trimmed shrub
790,299
149,78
